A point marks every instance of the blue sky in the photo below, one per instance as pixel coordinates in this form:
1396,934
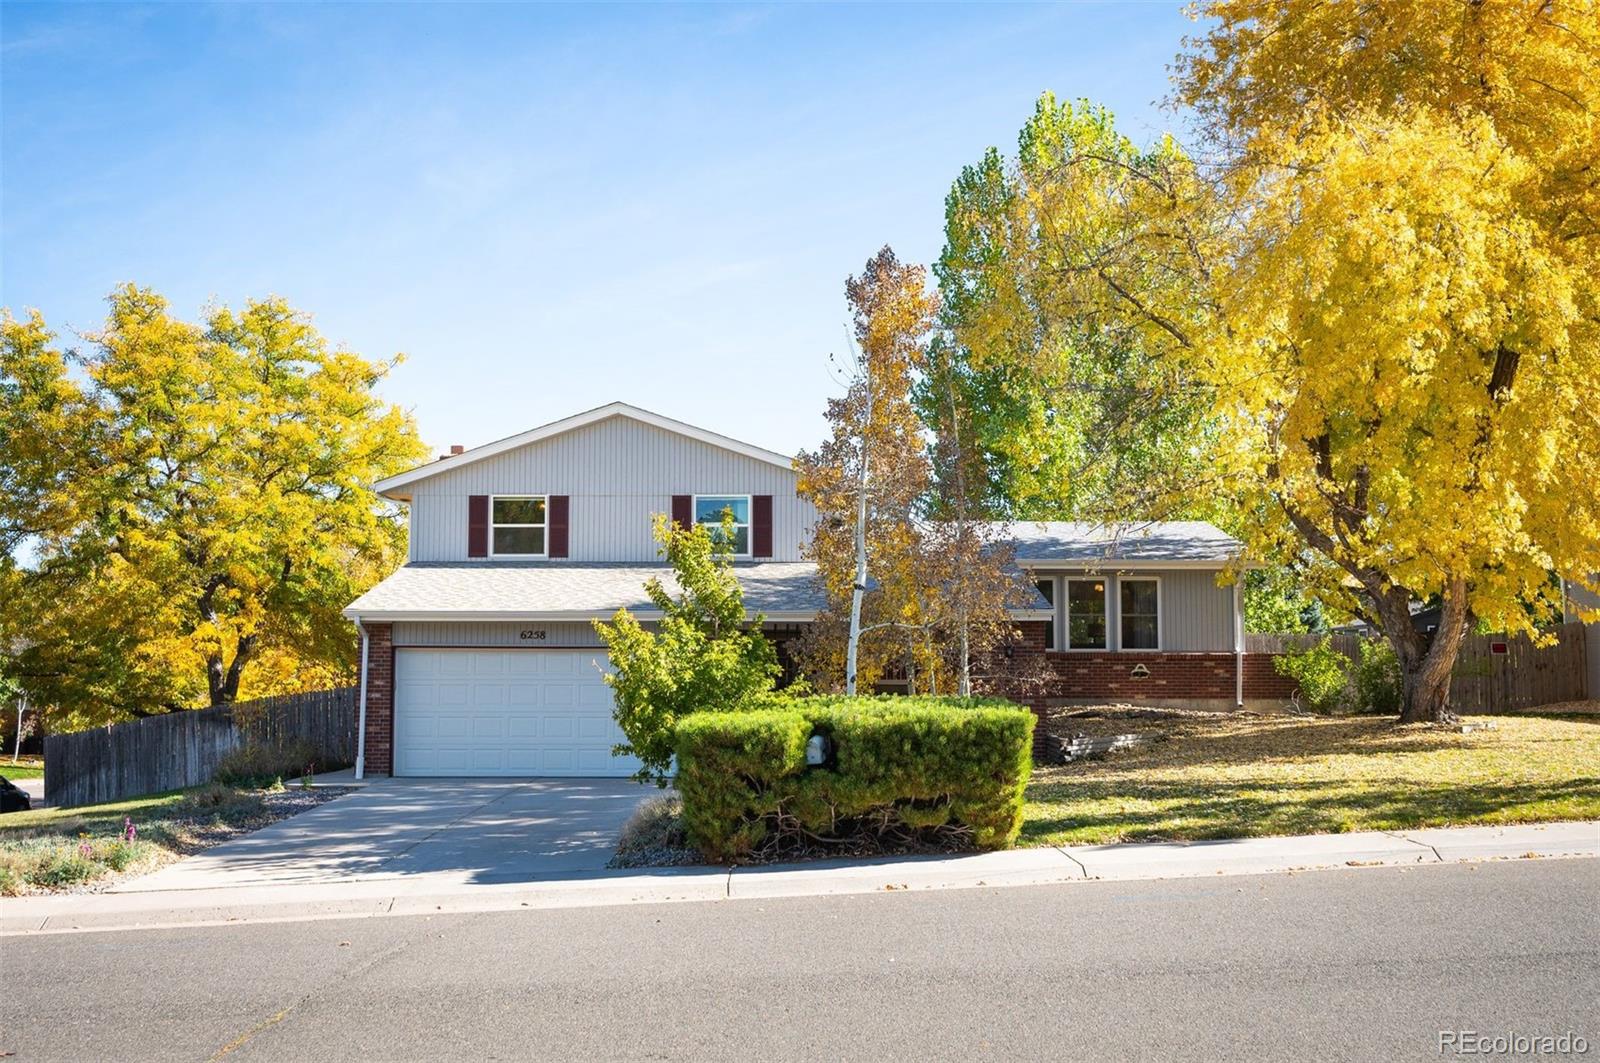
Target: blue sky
545,207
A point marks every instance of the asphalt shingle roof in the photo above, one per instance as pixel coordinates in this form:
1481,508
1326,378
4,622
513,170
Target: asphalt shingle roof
780,589
478,590
1149,542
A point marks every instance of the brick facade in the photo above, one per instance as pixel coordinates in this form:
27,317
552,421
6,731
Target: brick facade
1261,679
1029,662
1171,675
380,699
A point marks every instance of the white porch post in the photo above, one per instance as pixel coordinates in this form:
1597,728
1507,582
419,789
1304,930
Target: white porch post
1238,641
361,726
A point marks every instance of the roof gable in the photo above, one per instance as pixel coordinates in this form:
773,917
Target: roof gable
400,481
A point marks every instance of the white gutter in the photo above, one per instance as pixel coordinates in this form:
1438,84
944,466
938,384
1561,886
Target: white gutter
1238,642
361,727
390,616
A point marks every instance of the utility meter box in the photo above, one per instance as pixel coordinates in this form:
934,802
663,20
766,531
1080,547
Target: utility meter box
817,749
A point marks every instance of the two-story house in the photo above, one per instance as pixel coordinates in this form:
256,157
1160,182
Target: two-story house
479,656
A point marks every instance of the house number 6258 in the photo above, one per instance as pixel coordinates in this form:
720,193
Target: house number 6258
532,634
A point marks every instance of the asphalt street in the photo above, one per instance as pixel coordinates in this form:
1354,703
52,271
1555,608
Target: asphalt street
1362,964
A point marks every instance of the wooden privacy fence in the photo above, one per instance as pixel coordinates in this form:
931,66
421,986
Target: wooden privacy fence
1347,644
1523,675
1493,673
181,749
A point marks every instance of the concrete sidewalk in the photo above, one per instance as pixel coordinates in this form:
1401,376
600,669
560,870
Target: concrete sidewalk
426,895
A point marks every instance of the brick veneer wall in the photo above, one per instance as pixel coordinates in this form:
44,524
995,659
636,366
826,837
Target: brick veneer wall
1172,675
1261,679
1029,662
380,699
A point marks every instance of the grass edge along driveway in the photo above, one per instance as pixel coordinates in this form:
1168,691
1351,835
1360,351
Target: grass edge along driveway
59,849
1240,776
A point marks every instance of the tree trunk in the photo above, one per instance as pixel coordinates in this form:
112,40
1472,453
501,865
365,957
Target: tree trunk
1426,665
224,683
859,588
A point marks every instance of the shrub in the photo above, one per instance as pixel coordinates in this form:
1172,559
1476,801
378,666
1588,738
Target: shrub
898,766
1377,679
1322,674
259,765
701,655
653,836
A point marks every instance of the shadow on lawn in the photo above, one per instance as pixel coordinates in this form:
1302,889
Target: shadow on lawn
1266,740
1096,810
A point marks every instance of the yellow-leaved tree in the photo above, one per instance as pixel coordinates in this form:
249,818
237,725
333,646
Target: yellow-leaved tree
187,508
1379,274
866,481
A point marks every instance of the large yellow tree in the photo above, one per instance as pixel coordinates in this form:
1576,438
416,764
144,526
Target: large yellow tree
188,506
1380,269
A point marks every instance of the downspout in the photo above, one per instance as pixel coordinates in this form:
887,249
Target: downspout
361,727
1238,641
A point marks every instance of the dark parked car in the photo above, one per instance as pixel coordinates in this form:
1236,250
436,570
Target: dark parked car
13,799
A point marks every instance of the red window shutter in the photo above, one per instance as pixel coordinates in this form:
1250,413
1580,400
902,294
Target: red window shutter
760,525
478,526
683,510
558,525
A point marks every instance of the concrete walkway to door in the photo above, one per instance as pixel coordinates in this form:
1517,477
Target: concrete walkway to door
446,831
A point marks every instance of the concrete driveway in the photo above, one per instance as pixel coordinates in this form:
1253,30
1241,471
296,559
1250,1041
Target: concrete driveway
446,831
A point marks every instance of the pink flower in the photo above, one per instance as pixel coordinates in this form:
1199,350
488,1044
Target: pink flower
129,831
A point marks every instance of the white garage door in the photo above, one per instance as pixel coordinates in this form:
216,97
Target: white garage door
504,712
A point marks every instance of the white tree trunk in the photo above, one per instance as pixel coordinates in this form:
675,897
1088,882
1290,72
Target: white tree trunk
16,749
859,588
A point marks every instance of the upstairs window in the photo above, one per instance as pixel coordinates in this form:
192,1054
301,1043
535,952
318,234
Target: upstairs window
709,510
517,525
1086,614
1140,601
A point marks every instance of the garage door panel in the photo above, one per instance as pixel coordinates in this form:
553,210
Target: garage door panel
504,712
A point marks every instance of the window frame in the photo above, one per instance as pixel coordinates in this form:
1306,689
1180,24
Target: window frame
1054,641
544,526
749,517
1066,613
1160,615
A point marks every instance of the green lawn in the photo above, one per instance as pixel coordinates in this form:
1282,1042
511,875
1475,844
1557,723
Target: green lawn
62,848
24,768
1244,776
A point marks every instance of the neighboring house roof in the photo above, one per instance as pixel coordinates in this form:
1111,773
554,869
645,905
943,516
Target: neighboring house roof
783,590
474,590
451,462
1150,544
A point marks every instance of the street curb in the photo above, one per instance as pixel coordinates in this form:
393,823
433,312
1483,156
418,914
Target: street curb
149,910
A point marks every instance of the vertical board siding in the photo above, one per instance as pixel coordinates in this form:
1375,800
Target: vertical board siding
488,633
1196,614
618,472
182,749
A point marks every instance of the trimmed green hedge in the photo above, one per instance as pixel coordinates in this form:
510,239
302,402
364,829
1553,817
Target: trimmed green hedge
916,764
